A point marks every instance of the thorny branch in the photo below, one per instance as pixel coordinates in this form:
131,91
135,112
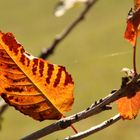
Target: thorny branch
99,106
48,51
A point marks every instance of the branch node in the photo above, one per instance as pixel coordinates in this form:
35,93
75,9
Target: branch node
125,80
76,117
65,123
107,107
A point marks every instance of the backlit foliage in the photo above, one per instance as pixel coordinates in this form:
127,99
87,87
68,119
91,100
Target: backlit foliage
32,85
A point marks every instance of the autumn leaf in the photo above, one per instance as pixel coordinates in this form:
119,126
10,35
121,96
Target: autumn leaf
128,107
136,4
32,85
133,24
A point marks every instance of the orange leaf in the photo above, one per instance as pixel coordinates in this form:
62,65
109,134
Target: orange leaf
129,106
32,85
136,4
133,26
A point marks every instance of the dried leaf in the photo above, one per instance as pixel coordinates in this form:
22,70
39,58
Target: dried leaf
133,26
32,85
128,107
65,5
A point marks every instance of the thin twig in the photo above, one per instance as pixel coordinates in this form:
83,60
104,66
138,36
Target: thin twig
94,109
95,129
48,51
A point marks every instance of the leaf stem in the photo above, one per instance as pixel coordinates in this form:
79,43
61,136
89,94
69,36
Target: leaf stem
71,125
134,57
74,129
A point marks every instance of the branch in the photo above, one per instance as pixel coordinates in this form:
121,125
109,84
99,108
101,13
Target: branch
60,37
94,109
95,129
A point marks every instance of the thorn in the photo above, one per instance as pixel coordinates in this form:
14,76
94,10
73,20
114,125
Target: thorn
109,121
76,117
114,90
100,100
87,108
95,103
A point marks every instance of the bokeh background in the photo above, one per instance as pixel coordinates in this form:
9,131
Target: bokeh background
94,53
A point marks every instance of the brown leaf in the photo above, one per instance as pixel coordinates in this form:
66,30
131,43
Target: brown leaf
32,85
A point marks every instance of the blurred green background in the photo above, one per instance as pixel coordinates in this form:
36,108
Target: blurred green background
94,53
